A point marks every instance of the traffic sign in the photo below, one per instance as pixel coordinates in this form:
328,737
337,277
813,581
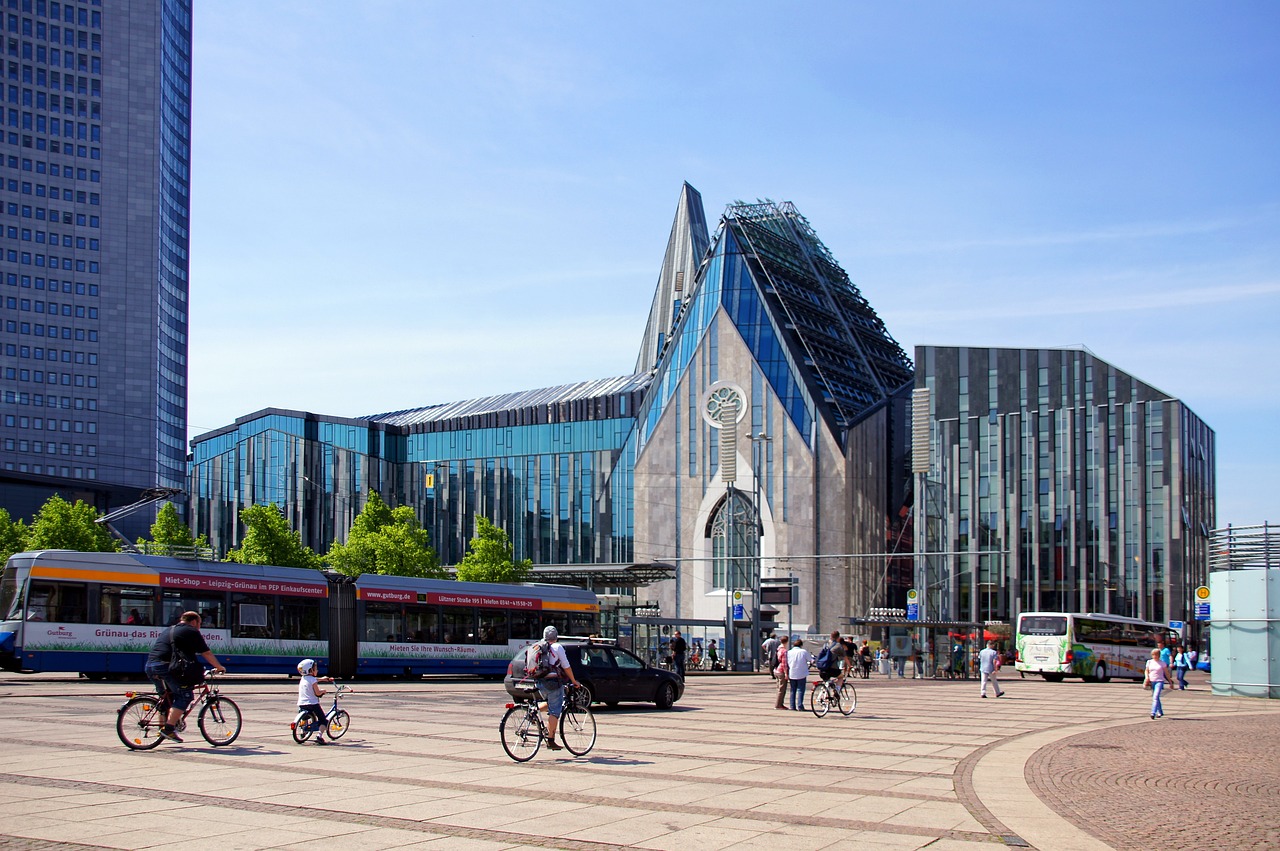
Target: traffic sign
1176,624
1202,611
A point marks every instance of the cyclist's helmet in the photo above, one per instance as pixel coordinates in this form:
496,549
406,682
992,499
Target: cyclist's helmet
305,666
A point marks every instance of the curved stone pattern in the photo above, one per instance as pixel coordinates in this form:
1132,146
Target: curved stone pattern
1170,784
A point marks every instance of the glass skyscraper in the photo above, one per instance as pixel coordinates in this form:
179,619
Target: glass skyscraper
95,173
1050,480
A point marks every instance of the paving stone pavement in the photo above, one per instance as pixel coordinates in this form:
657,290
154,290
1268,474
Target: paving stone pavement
922,763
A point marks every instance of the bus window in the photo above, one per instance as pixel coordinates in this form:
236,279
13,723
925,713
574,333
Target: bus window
493,626
253,616
423,624
299,618
210,607
10,599
459,625
1043,625
525,626
126,604
61,602
382,622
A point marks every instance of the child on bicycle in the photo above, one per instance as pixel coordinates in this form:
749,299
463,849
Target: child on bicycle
309,694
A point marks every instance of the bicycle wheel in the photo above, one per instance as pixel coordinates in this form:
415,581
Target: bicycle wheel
521,733
820,700
339,723
304,726
220,721
138,723
578,730
848,699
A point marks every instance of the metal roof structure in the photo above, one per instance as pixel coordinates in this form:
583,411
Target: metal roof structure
546,396
594,576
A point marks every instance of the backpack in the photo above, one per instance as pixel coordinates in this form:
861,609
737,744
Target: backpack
540,662
826,661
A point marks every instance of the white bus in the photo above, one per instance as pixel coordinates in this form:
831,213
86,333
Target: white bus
1092,646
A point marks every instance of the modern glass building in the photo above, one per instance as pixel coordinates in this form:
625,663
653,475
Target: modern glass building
551,466
627,470
94,173
1054,481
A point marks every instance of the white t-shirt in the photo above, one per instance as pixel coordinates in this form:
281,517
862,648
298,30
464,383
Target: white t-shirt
798,662
559,660
307,691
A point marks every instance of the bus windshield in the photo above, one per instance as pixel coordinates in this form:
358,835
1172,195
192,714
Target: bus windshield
1043,625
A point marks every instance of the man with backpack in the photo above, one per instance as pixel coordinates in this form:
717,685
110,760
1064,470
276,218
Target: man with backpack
833,660
545,663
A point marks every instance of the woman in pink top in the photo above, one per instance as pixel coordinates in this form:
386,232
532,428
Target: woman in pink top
1157,677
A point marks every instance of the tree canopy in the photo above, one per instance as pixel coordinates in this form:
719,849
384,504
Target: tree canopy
269,540
170,532
61,525
387,541
13,535
491,558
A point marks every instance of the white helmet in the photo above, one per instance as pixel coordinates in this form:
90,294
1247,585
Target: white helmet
305,666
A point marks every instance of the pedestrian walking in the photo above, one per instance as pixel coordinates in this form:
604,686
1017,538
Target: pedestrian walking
1181,662
988,665
769,653
798,662
883,660
780,671
1156,678
678,648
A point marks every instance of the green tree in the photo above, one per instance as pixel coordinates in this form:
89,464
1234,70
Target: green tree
388,541
491,558
13,535
169,531
269,540
61,525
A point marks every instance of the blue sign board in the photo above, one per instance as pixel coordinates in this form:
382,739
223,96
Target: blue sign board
913,611
1176,624
738,613
1202,611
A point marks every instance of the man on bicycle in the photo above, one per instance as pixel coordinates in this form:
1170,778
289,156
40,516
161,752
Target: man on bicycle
841,656
183,637
549,662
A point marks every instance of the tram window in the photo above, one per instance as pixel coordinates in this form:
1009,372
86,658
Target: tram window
299,618
253,616
423,624
493,626
582,625
10,599
211,608
381,622
63,602
525,626
559,621
126,604
459,625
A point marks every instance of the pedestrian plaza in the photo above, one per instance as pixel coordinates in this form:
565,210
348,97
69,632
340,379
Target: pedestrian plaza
921,763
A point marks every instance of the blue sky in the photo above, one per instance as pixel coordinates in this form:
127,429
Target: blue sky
401,203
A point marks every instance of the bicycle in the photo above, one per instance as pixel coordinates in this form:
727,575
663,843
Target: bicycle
523,729
825,695
336,721
139,720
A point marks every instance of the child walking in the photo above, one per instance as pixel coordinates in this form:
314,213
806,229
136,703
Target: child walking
309,694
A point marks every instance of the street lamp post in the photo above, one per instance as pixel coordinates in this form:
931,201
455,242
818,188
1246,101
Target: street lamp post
758,453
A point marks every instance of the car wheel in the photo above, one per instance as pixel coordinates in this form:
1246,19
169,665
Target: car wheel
666,696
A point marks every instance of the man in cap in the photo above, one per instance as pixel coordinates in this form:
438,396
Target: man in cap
551,686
